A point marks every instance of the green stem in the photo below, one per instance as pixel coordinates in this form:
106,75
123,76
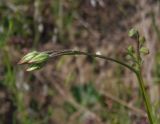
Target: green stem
145,97
138,73
75,52
141,84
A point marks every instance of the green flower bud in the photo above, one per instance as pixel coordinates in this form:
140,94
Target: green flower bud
142,40
130,49
33,67
144,50
40,58
28,57
133,33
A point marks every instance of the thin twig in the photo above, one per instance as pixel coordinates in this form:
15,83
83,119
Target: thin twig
75,52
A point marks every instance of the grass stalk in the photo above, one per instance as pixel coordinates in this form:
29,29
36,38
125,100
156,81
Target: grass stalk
138,75
145,97
135,55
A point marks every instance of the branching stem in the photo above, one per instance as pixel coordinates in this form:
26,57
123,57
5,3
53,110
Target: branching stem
137,72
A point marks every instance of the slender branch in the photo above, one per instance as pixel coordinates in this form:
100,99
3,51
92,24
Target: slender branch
75,52
138,52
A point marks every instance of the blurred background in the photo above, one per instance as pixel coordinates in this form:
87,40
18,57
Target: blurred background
76,89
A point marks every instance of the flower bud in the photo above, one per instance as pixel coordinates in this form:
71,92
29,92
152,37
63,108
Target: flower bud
142,40
130,49
28,57
40,58
144,50
133,33
33,67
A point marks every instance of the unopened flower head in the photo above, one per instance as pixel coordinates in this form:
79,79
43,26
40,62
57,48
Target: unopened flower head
144,51
142,40
133,33
28,57
130,49
40,58
33,67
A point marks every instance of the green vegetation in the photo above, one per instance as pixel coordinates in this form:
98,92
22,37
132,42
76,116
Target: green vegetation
34,59
53,87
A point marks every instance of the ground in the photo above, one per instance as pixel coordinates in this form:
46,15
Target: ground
76,89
